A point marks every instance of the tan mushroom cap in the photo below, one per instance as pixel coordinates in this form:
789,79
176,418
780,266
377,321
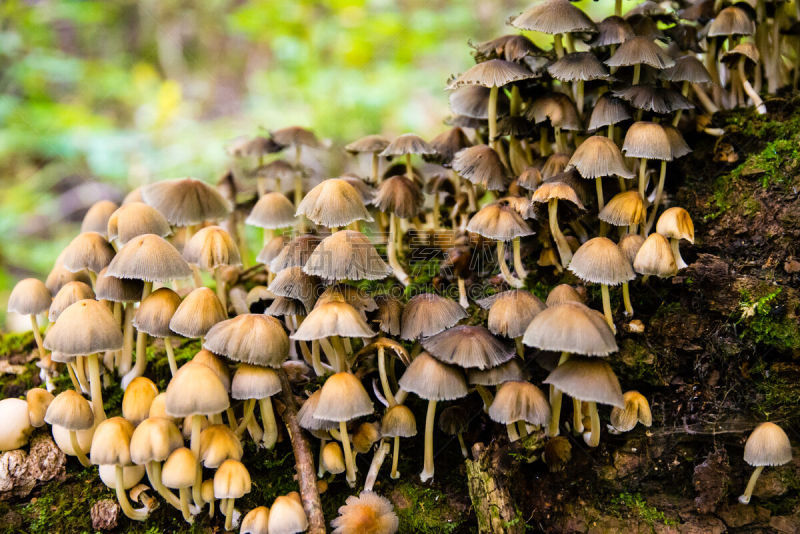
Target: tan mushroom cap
366,435
96,217
255,521
561,294
253,382
150,258
295,253
399,421
448,143
686,69
390,310
368,144
676,223
552,17
599,156
499,221
271,250
133,219
530,178
407,144
333,202
491,73
218,444
232,480
137,399
111,442
571,327
154,440
250,338
211,360
38,400
69,294
630,244
608,110
346,255
640,50
511,312
294,136
558,108
178,471
305,415
155,312
279,169
85,327
29,297
468,347
117,289
272,211
258,146
212,247
582,66
17,426
600,261
520,401
624,209
655,257
88,250
588,380
332,458
612,30
647,140
195,390
677,142
731,21
333,319
494,376
343,398
186,201
284,306
556,190
473,101
197,313
481,165
400,196
293,283
768,445
369,513
636,410
60,276
287,515
430,379
70,410
427,314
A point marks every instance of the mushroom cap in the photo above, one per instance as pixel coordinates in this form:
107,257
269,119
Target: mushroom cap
29,297
343,398
279,169
333,202
571,327
746,50
369,513
561,294
491,73
117,289
731,20
473,101
369,144
294,136
255,521
447,143
554,164
155,312
499,221
511,47
332,458
676,223
232,480
197,313
272,211
767,445
608,110
520,401
530,178
554,17
686,69
209,359
636,410
285,306
601,261
85,327
588,380
131,475
70,410
154,439
652,98
88,250
640,50
454,420
399,421
150,258
333,319
467,347
510,312
494,376
647,140
250,338
390,309
186,201
60,276
583,66
306,418
630,244
111,442
178,471
427,314
96,217
195,390
295,253
558,191
254,382
366,435
481,165
407,144
365,190
212,247
400,196
430,379
293,283
287,515
137,399
271,250
558,108
16,424
346,255
599,156
69,294
253,146
612,30
218,443
655,257
38,400
677,142
624,209
136,218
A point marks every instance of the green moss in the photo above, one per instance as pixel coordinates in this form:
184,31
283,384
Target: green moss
634,506
426,511
766,321
16,343
777,390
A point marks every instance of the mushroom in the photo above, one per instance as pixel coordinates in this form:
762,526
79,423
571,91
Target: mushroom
89,251
398,422
607,112
406,145
153,318
482,166
381,344
31,297
558,18
468,347
69,294
186,202
388,314
287,515
403,199
519,402
279,171
369,513
655,257
16,424
372,145
345,255
332,459
560,111
561,294
318,427
434,381
499,221
494,376
96,217
137,399
253,383
730,23
510,313
454,421
135,219
676,224
297,137
255,521
273,211
629,244
59,275
679,149
178,473
552,192
647,140
211,249
428,314
596,157
153,440
578,68
767,445
125,293
196,314
638,51
333,203
231,481
636,410
624,209
295,253
38,400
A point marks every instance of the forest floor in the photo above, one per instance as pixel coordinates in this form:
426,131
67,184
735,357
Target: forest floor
719,354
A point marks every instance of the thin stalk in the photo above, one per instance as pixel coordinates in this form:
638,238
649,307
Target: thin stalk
555,403
173,365
464,450
127,340
462,293
154,474
492,109
430,418
220,287
247,415
96,387
657,201
577,417
409,168
37,335
520,347
676,252
387,391
486,396
522,427
561,242
141,347
76,446
626,299
228,513
315,359
637,72
751,485
76,385
395,474
558,45
519,268
194,445
607,307
122,497
268,420
504,271
376,177
511,430
348,455
761,109
594,439
80,372
642,177
399,273
618,8
184,505
598,185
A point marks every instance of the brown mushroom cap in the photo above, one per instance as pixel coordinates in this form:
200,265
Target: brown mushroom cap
231,480
111,442
368,144
155,312
468,346
608,110
254,382
686,69
563,293
271,250
117,289
571,327
640,50
407,144
343,398
472,101
583,66
647,140
250,338
195,390
279,169
599,156
218,444
354,296
305,415
333,202
624,209
294,283
60,276
600,261
656,99
556,190
216,364
154,440
186,201
655,257
295,253
197,313
494,376
178,470
677,142
499,221
137,399
767,445
399,421
481,165
150,258
38,400
511,312
676,223
333,319
612,30
68,295
284,306
552,17
520,401
636,410
85,327
96,217
427,314
29,297
294,136
557,108
731,21
588,380
272,211
70,410
430,379
399,195
88,250
212,247
346,255
133,219
388,315
447,143
255,521
630,244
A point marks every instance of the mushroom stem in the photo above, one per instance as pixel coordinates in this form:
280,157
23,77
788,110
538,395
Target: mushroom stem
642,176
76,446
657,201
751,485
76,385
391,252
464,450
637,72
626,298
492,109
520,347
220,288
704,99
594,439
486,395
127,340
511,428
184,505
97,388
154,474
375,466
436,212
321,468
173,365
315,360
522,427
579,96
211,508
618,8
37,335
395,474
607,307
330,353
409,168
676,251
555,403
558,45
504,270
341,354
122,497
598,184
577,416
228,513
561,242
247,415
194,445
519,268
141,347
348,454
80,372
375,168
761,109
268,420
387,391
462,293
427,469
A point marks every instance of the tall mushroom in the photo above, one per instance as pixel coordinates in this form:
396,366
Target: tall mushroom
767,445
551,193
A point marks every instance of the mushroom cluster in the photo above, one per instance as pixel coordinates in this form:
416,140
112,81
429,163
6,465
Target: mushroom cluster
529,127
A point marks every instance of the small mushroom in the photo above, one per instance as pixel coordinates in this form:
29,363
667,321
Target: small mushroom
767,445
369,513
398,422
287,515
178,473
454,421
231,481
16,424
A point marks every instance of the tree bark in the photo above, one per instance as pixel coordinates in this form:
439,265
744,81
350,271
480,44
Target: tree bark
491,500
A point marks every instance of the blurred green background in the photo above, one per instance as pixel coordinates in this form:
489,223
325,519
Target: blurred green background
97,97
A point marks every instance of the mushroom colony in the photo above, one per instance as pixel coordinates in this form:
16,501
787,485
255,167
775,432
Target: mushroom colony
554,163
